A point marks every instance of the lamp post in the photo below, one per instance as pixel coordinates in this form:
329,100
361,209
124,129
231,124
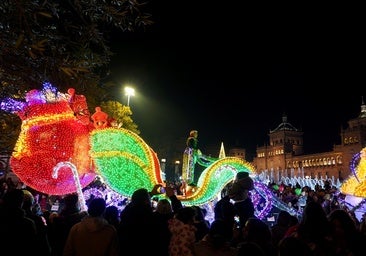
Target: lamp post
163,164
129,92
176,169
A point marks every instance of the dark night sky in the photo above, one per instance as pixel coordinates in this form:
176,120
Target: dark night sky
230,72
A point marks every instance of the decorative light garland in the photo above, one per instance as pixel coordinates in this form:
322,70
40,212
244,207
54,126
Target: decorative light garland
356,185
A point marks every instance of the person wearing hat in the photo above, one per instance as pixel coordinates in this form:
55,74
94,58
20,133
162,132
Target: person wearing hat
29,206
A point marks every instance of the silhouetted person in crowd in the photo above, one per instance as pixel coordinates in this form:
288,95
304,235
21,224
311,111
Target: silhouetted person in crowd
281,226
161,215
239,193
3,189
346,237
59,227
215,242
293,225
31,212
224,210
137,226
315,230
290,246
18,234
174,201
256,231
202,225
93,235
112,215
250,249
183,232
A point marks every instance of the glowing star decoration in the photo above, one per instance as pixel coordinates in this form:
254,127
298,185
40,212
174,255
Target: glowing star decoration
50,134
356,185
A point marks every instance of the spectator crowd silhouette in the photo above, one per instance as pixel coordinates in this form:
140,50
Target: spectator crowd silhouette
170,228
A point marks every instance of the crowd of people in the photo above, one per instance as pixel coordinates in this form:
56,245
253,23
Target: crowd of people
172,229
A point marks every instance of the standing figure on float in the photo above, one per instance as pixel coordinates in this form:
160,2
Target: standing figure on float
190,155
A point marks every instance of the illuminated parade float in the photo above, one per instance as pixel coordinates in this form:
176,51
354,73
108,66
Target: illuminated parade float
62,149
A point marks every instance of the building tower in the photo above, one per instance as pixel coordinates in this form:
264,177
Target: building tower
285,141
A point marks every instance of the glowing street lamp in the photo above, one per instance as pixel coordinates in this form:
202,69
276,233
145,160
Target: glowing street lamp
176,170
163,164
129,92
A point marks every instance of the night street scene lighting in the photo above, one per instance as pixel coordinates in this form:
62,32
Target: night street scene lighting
129,92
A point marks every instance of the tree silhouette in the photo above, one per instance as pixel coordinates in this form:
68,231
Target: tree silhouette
65,43
120,114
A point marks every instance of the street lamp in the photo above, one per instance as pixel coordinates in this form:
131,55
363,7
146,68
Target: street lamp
176,171
163,164
129,92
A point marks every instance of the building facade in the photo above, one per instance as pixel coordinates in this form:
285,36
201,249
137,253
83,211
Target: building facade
285,153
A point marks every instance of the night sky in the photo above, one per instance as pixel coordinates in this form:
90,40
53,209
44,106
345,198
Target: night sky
231,71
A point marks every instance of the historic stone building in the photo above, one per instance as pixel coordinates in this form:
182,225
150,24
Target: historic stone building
285,155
